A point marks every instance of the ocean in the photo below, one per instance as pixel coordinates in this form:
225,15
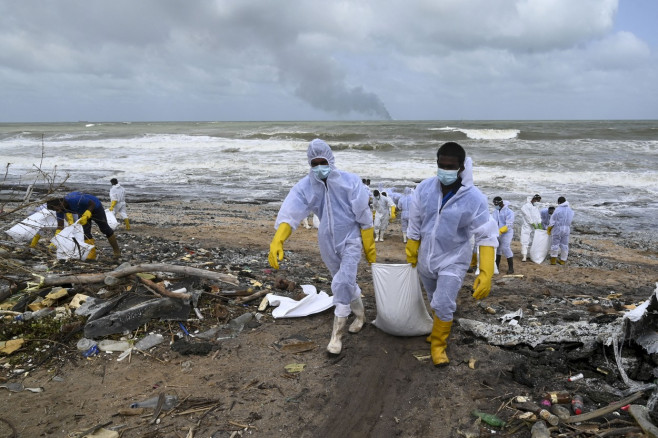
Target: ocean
607,170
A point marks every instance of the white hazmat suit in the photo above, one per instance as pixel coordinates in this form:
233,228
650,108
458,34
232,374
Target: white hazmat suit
382,206
403,205
560,225
502,217
531,218
118,194
342,206
444,230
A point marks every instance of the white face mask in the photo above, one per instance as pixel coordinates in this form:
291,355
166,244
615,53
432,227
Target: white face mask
322,171
447,177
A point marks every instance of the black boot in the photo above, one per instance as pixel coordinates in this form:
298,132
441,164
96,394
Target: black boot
510,265
498,261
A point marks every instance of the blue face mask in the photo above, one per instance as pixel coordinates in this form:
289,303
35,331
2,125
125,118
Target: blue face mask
498,207
447,177
322,171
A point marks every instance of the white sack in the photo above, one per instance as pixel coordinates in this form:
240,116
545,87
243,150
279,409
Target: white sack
541,244
111,219
316,221
312,303
401,310
70,243
27,228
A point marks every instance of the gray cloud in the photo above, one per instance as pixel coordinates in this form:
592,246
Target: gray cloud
302,59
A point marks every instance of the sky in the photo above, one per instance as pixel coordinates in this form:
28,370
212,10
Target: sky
216,60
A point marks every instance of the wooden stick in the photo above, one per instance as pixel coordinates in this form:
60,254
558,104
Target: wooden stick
52,280
159,288
253,296
641,415
602,411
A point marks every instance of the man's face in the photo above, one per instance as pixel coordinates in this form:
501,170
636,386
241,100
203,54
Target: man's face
319,162
447,162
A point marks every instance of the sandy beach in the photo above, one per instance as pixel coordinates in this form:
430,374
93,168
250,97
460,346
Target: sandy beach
380,385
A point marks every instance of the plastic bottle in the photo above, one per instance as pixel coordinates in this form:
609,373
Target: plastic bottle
490,419
561,412
149,341
26,316
110,345
553,420
237,324
577,404
169,402
557,397
575,377
85,344
539,430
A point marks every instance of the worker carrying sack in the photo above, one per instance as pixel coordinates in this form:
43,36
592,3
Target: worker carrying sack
541,244
401,310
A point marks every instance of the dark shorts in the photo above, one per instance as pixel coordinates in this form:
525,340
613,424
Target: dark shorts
98,216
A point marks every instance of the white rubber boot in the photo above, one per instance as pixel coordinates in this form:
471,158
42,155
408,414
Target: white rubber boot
335,344
376,235
381,236
404,237
524,253
359,316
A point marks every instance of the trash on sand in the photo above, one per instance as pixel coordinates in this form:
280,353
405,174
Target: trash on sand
170,401
512,318
295,344
149,341
8,347
471,363
421,355
312,303
19,387
575,377
490,419
295,367
589,334
110,346
78,300
237,324
131,318
401,308
185,347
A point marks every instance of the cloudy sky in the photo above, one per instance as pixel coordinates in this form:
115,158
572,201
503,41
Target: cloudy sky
149,60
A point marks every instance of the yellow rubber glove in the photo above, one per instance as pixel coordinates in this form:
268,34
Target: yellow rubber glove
412,251
69,218
112,205
368,239
276,247
502,230
482,284
548,230
392,212
84,218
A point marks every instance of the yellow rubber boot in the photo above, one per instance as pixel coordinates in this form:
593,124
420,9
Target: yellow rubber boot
92,253
127,222
439,343
553,260
35,240
560,261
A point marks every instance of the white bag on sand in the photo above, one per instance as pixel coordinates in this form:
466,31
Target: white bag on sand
313,302
316,221
541,244
27,228
70,243
111,219
401,309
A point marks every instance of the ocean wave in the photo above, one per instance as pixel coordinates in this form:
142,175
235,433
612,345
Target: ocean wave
483,134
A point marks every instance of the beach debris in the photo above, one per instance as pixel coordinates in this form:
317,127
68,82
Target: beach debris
512,318
579,331
314,302
641,415
293,368
184,347
8,347
295,344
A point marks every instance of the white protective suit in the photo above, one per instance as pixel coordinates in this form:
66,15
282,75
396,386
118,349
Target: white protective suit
545,217
503,217
118,193
403,206
382,207
530,215
444,230
342,206
561,223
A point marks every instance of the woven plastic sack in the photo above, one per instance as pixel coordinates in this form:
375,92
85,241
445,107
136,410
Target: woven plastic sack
111,219
70,243
27,228
401,309
541,244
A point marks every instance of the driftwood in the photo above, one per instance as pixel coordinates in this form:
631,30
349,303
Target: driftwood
100,278
160,289
603,411
641,415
